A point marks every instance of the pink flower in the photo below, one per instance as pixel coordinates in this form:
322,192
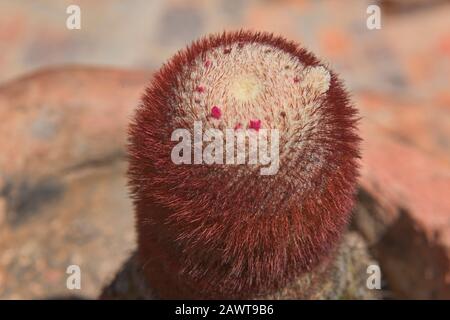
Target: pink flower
215,112
255,124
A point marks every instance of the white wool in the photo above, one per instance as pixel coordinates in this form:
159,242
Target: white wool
255,81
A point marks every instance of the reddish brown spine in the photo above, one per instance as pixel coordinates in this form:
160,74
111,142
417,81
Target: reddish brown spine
220,231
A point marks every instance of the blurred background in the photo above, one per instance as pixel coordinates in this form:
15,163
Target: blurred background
66,97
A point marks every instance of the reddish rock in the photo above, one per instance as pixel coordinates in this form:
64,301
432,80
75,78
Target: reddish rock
404,212
334,42
2,212
402,6
62,179
407,121
61,120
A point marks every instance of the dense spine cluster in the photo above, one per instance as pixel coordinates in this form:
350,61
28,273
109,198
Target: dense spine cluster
225,231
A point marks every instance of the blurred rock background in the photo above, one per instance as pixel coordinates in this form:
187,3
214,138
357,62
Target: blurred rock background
66,97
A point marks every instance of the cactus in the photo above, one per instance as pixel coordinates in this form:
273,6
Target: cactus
226,231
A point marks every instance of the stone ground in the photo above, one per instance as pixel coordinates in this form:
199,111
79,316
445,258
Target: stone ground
63,196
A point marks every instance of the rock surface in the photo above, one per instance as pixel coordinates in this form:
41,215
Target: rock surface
63,197
404,212
403,208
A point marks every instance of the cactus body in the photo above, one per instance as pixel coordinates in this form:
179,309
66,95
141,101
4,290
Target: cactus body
226,231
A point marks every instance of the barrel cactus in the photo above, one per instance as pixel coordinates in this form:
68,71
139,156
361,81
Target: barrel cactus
220,230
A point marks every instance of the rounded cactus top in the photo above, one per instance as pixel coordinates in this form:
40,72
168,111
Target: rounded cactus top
246,81
233,230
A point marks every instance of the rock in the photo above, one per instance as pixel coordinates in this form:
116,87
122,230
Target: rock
404,212
402,6
60,121
405,121
2,212
128,283
344,277
90,225
64,197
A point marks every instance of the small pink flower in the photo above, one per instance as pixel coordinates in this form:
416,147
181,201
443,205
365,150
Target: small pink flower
296,79
207,63
215,112
255,124
200,89
238,126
